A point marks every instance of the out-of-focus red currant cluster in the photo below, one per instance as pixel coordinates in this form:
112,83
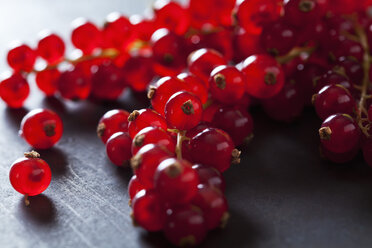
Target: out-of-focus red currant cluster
203,65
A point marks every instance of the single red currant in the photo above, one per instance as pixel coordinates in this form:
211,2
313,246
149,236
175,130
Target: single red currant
339,133
113,121
21,58
47,81
148,211
210,177
146,161
117,31
227,84
153,135
176,181
85,36
195,85
278,38
265,77
118,148
298,12
139,119
246,44
14,90
171,15
41,128
51,48
183,111
134,186
74,85
30,175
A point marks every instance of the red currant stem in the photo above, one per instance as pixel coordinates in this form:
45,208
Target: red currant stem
180,139
208,103
366,66
294,53
27,202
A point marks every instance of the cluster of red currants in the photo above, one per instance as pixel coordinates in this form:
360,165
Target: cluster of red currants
202,65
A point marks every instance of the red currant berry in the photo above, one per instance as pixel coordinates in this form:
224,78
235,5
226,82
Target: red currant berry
117,31
183,111
118,148
353,69
47,81
287,105
171,15
265,77
85,36
175,181
153,135
138,71
14,90
30,175
246,44
134,186
215,148
298,12
210,111
143,27
339,158
113,121
210,177
195,85
332,78
278,38
350,48
21,58
168,52
253,14
202,62
214,206
41,128
51,48
74,85
185,226
148,211
339,133
227,84
146,161
237,122
163,89
107,82
139,119
333,99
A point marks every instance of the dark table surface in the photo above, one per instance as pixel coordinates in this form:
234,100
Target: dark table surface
281,195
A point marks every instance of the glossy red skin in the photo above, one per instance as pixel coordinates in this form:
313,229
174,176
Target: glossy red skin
237,122
332,78
278,38
333,99
349,48
175,114
143,27
211,13
353,69
195,85
34,128
165,88
153,135
183,222
253,14
14,90
51,48
345,134
210,111
256,68
146,118
296,16
212,147
74,85
107,82
118,148
176,189
115,120
210,177
235,83
246,44
202,62
171,15
168,52
213,204
86,36
148,211
30,176
339,158
134,186
21,58
150,156
47,80
138,72
287,105
117,31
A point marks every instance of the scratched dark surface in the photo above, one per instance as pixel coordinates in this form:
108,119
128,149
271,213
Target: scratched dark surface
281,195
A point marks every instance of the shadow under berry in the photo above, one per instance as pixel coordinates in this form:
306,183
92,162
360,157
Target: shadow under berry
40,211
